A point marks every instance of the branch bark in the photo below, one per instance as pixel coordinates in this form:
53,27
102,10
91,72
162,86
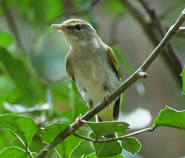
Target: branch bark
139,73
174,58
170,57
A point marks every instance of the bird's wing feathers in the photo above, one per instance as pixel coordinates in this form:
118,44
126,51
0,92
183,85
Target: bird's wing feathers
117,70
69,69
114,62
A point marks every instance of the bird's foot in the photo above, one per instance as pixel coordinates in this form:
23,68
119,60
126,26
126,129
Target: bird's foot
106,98
78,119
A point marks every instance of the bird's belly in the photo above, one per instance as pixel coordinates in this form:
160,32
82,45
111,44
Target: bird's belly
91,89
93,84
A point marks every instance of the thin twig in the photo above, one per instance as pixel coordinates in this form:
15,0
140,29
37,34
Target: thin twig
150,30
126,84
174,57
112,139
22,142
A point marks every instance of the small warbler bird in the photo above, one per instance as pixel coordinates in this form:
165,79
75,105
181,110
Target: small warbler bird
93,66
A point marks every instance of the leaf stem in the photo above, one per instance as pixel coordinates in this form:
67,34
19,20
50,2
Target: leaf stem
112,139
22,142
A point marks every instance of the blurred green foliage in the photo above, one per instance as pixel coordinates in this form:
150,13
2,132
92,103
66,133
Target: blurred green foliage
35,92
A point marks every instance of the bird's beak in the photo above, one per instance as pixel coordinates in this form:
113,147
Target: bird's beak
59,27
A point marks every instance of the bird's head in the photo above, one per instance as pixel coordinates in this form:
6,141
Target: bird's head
76,30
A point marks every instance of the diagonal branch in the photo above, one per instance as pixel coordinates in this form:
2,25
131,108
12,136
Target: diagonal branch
139,73
170,57
173,54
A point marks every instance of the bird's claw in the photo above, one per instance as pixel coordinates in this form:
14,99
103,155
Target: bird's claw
106,98
78,119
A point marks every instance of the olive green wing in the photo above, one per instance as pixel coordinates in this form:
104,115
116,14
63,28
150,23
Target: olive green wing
116,67
69,69
114,61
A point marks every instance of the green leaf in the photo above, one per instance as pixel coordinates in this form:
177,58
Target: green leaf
14,152
65,147
5,39
93,155
37,12
54,9
6,138
22,126
183,81
21,77
84,146
6,84
171,118
49,10
6,87
112,7
106,149
108,127
131,145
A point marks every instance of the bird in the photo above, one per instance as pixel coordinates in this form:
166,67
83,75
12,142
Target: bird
93,66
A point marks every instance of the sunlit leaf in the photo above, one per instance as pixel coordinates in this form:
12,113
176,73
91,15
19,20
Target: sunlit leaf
66,146
5,39
49,10
183,81
112,7
22,126
14,152
131,145
171,118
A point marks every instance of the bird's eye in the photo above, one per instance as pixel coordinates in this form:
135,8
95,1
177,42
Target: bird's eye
79,27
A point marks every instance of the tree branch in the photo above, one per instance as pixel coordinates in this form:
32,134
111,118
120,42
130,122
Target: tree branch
126,84
174,57
112,139
149,28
